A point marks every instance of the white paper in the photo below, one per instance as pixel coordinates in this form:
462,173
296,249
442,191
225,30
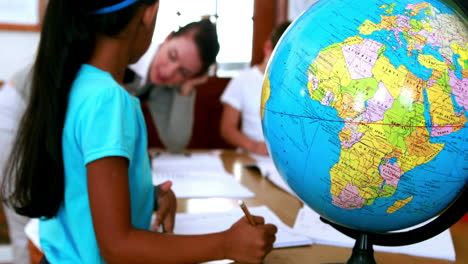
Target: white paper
188,162
205,223
25,12
268,170
197,176
32,232
309,223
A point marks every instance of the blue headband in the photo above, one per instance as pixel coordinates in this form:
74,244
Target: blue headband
112,8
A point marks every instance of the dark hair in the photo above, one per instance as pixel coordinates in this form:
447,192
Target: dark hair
206,38
34,183
278,32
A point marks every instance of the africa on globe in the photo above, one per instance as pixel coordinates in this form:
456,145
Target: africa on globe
364,110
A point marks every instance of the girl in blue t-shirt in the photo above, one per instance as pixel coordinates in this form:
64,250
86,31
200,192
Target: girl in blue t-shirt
80,162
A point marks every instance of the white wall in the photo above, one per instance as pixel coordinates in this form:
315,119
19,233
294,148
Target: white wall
296,7
17,49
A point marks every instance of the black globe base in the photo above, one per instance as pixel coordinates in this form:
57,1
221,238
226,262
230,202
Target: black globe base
363,252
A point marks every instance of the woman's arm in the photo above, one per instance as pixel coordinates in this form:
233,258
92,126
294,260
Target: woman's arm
177,132
119,242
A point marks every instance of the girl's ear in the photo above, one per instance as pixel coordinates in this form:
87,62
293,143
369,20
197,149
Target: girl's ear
150,14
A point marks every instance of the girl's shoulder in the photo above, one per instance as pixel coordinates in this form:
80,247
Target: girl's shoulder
93,82
94,87
90,76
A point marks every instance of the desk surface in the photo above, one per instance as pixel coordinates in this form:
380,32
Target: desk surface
286,207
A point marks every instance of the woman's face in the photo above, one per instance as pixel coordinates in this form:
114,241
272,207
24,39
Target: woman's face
176,61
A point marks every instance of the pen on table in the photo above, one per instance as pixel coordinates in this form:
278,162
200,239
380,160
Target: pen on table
247,213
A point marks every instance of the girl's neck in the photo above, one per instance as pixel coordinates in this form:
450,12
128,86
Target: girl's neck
111,55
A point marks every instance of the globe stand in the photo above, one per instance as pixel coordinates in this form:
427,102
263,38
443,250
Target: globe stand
363,251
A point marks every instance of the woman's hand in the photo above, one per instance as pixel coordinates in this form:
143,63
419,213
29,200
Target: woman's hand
167,205
188,86
247,243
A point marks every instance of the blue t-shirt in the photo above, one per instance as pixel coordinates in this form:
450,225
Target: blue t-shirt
102,120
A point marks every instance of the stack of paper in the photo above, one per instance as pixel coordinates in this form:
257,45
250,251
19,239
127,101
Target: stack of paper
197,176
205,223
308,223
268,170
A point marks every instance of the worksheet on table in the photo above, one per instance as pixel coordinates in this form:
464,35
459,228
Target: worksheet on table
197,176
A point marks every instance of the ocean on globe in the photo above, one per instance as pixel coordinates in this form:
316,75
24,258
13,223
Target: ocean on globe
364,110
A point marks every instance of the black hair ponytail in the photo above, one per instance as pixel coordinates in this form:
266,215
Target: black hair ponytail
34,179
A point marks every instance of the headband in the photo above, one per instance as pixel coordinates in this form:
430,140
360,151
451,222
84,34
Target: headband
112,8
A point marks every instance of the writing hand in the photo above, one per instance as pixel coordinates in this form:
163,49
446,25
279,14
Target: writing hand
248,243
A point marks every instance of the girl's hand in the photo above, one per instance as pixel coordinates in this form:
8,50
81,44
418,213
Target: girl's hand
188,86
247,243
259,147
167,207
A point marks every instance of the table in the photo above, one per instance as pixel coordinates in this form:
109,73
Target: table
286,207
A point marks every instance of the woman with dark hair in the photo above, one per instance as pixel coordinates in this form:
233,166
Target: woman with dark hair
165,79
79,162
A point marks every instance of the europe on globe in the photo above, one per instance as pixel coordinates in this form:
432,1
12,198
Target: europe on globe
364,110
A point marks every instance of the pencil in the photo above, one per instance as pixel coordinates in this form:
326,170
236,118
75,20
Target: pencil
246,212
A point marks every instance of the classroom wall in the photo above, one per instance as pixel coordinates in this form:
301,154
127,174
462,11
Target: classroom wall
16,50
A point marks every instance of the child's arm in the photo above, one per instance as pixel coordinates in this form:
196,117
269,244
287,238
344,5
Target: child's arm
230,131
119,242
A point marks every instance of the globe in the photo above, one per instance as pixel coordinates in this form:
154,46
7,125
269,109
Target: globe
364,110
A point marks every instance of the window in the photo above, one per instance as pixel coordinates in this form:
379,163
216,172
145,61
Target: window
234,24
